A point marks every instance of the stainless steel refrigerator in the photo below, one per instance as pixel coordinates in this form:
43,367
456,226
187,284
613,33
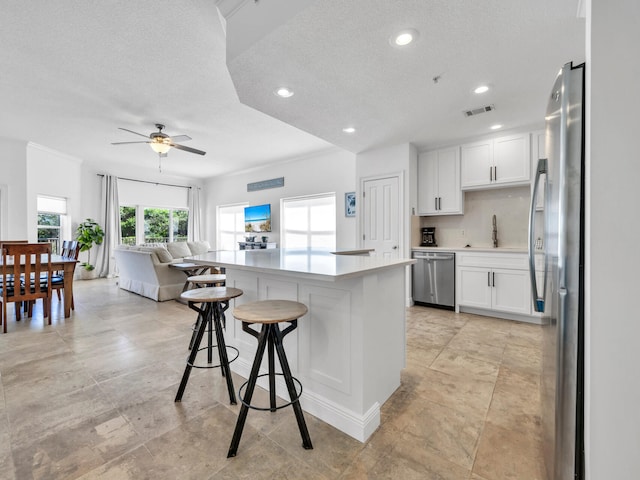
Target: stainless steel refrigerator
559,291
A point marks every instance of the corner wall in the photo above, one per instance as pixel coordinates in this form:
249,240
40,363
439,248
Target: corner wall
13,181
329,171
613,229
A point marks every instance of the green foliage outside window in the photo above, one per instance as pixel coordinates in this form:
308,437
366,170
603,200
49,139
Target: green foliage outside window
160,225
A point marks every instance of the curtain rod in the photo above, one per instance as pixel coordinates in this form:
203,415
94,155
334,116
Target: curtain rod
147,181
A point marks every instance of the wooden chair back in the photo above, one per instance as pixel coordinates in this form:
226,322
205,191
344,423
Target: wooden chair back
23,264
70,249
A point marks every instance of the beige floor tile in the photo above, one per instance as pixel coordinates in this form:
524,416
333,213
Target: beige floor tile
464,394
462,364
92,396
508,454
526,359
444,432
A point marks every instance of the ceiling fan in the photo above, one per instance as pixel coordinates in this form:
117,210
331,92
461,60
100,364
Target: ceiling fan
161,143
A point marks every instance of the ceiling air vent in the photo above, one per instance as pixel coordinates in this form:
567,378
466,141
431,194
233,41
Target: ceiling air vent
479,110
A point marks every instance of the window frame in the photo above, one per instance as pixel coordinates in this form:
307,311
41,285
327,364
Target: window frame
309,232
238,235
140,236
63,219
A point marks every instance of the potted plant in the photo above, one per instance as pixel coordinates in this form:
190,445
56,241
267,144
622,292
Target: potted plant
88,234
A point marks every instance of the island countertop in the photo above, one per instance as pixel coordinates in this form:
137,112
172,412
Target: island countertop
318,264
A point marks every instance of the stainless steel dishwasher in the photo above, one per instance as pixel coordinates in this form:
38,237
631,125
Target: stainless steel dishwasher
434,279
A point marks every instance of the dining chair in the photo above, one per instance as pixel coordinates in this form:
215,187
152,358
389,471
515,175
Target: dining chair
4,242
70,249
22,266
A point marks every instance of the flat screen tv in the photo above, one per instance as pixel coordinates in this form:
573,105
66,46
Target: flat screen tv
257,218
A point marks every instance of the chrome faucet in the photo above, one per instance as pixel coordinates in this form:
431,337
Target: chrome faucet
495,233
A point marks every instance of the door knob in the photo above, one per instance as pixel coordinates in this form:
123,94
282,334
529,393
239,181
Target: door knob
395,247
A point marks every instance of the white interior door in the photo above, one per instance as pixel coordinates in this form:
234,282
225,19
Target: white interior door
381,211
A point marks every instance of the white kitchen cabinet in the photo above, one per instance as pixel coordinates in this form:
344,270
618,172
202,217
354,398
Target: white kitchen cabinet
494,282
538,151
439,191
497,162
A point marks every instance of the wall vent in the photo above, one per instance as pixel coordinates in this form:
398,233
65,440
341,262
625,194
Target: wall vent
477,111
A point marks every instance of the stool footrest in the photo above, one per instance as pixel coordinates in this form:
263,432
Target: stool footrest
270,409
216,365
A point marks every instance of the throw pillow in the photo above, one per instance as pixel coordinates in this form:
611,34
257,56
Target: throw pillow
198,248
163,255
178,249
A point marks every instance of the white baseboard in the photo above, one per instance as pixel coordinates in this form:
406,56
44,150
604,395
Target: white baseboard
353,424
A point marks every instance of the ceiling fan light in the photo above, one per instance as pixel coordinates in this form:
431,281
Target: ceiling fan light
160,147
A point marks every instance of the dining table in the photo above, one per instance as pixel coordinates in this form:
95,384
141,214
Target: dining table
68,266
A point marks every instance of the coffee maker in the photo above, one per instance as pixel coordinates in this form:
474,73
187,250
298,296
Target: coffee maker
429,237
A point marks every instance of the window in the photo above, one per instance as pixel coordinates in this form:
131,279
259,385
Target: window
52,220
309,222
230,226
152,225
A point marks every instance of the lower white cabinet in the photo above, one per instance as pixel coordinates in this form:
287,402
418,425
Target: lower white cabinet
495,282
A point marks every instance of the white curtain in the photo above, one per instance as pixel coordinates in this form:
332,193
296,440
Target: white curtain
193,234
111,222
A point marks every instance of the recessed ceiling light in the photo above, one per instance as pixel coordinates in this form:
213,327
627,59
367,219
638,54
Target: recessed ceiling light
496,127
349,130
404,37
481,89
284,92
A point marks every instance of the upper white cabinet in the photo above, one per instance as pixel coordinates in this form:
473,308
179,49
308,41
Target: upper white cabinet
439,191
538,151
496,162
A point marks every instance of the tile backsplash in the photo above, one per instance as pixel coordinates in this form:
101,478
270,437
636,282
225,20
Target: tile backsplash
474,228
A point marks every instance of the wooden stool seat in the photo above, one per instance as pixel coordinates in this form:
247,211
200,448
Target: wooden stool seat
210,294
210,303
210,279
269,313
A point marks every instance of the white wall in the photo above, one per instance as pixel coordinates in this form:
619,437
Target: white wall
329,171
13,180
613,230
52,173
396,159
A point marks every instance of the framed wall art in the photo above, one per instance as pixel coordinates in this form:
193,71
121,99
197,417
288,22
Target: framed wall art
350,204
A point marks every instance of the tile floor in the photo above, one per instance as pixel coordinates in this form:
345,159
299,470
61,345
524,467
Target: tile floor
91,397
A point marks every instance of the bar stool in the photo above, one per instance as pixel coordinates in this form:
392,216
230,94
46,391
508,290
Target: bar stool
199,281
214,301
209,280
270,313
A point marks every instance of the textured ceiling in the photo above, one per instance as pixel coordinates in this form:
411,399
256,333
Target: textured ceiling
72,72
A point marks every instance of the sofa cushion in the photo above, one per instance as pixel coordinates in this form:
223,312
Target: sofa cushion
163,254
198,248
178,249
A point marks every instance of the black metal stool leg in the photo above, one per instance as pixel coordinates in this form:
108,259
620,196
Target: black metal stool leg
272,368
251,385
192,358
195,331
284,364
209,320
222,354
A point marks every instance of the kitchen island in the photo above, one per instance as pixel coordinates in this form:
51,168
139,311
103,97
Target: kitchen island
349,349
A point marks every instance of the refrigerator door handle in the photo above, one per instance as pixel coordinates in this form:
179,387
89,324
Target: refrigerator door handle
538,301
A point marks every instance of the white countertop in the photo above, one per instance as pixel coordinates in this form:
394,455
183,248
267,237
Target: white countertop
318,264
473,249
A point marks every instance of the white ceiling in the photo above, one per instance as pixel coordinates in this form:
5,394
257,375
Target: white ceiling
72,72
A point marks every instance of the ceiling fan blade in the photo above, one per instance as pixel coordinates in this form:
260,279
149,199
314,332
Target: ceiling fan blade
180,138
131,131
187,149
124,143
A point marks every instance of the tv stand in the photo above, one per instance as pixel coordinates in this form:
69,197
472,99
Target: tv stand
256,245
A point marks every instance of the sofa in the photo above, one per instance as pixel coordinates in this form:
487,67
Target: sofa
144,269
